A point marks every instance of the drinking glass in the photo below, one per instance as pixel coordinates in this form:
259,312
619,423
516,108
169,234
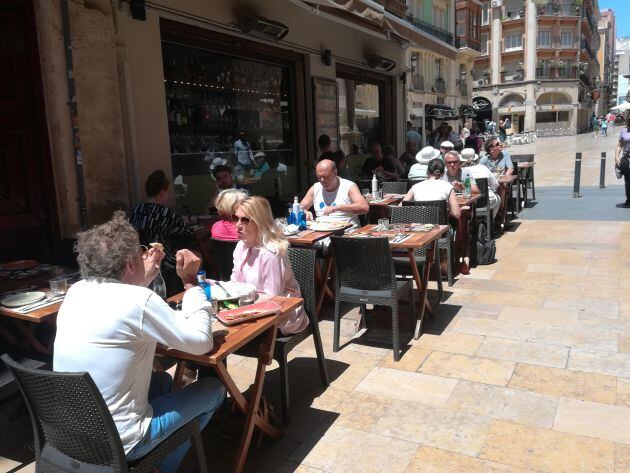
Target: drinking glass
383,224
399,231
365,192
378,195
282,223
247,298
58,286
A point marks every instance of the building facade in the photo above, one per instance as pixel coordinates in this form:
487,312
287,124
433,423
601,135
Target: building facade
171,84
622,69
538,64
439,79
606,58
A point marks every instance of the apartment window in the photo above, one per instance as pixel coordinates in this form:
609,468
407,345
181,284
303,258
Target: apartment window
566,38
544,38
461,23
485,13
439,17
484,43
474,29
513,41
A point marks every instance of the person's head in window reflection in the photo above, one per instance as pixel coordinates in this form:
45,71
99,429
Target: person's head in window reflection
324,144
158,188
223,176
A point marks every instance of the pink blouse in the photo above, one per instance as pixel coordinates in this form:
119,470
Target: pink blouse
271,274
224,230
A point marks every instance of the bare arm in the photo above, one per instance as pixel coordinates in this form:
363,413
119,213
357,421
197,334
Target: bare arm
307,203
408,197
453,205
618,152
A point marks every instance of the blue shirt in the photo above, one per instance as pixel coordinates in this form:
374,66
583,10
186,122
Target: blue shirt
504,162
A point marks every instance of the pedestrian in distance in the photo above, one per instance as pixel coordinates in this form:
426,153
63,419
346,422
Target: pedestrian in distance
622,158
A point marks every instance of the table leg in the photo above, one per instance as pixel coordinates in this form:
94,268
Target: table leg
250,408
519,197
325,289
30,338
422,288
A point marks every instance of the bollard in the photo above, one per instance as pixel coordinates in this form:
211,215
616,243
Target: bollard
576,178
602,171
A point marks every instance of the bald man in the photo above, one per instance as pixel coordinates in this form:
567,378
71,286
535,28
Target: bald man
334,197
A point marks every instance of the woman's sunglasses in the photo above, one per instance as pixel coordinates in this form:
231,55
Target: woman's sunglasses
243,220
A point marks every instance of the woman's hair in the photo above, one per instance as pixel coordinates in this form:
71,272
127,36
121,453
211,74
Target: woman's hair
156,183
227,199
435,167
269,234
104,250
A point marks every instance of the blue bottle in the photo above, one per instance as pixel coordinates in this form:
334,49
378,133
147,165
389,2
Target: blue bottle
205,285
290,216
302,219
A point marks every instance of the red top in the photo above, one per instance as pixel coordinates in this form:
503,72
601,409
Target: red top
224,230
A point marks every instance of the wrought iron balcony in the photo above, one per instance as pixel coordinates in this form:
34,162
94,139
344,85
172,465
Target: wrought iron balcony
559,9
439,33
440,85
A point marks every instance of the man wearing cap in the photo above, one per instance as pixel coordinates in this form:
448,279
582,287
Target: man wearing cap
445,133
479,171
418,171
456,175
445,147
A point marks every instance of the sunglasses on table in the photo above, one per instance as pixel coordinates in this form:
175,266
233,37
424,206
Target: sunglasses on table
243,220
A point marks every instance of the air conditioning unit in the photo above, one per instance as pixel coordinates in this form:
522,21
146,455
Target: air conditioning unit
496,3
481,82
263,28
380,63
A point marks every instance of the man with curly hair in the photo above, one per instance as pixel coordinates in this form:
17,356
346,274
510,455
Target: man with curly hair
109,325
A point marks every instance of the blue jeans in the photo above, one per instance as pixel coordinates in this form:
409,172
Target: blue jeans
172,410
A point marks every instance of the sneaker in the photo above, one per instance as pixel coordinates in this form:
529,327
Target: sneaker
618,172
623,205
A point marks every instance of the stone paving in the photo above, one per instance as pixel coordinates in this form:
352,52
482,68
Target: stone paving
525,367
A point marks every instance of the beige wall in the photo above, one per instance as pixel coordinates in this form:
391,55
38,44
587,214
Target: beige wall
99,113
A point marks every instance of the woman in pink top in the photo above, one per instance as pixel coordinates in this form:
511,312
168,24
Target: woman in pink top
260,257
225,203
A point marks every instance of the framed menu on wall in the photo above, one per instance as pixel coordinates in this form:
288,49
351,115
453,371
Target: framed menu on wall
326,107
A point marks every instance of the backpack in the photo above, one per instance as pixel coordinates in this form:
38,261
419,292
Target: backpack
486,249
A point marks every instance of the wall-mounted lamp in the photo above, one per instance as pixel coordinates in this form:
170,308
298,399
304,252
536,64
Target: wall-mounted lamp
327,57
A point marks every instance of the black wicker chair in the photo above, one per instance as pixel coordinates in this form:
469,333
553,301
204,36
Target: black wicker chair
526,176
483,211
399,187
74,430
411,214
224,253
365,274
436,211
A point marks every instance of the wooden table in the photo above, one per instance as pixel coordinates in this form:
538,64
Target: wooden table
418,240
237,337
380,208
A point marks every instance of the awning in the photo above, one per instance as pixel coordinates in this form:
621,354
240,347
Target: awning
440,112
481,104
466,111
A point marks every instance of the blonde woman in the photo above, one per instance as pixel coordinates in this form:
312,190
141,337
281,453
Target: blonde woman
225,203
260,257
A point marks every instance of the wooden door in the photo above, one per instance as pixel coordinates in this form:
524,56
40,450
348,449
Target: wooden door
26,180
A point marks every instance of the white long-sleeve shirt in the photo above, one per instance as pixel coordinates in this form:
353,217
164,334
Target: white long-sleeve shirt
110,330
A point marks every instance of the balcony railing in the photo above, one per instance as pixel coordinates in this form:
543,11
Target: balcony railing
558,44
439,33
556,73
561,9
463,89
440,86
465,42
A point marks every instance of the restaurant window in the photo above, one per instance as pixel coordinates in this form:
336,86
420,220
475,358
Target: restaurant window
226,109
359,115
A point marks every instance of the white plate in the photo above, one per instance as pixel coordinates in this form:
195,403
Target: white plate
236,290
327,226
22,298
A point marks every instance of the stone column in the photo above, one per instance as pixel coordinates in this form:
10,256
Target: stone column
495,43
531,31
530,108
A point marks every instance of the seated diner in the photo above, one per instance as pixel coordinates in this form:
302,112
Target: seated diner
109,325
435,188
225,203
260,257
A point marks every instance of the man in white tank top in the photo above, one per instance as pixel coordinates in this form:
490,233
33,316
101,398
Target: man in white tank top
334,197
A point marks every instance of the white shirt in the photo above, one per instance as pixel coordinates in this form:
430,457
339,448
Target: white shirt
110,330
431,189
322,199
479,171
